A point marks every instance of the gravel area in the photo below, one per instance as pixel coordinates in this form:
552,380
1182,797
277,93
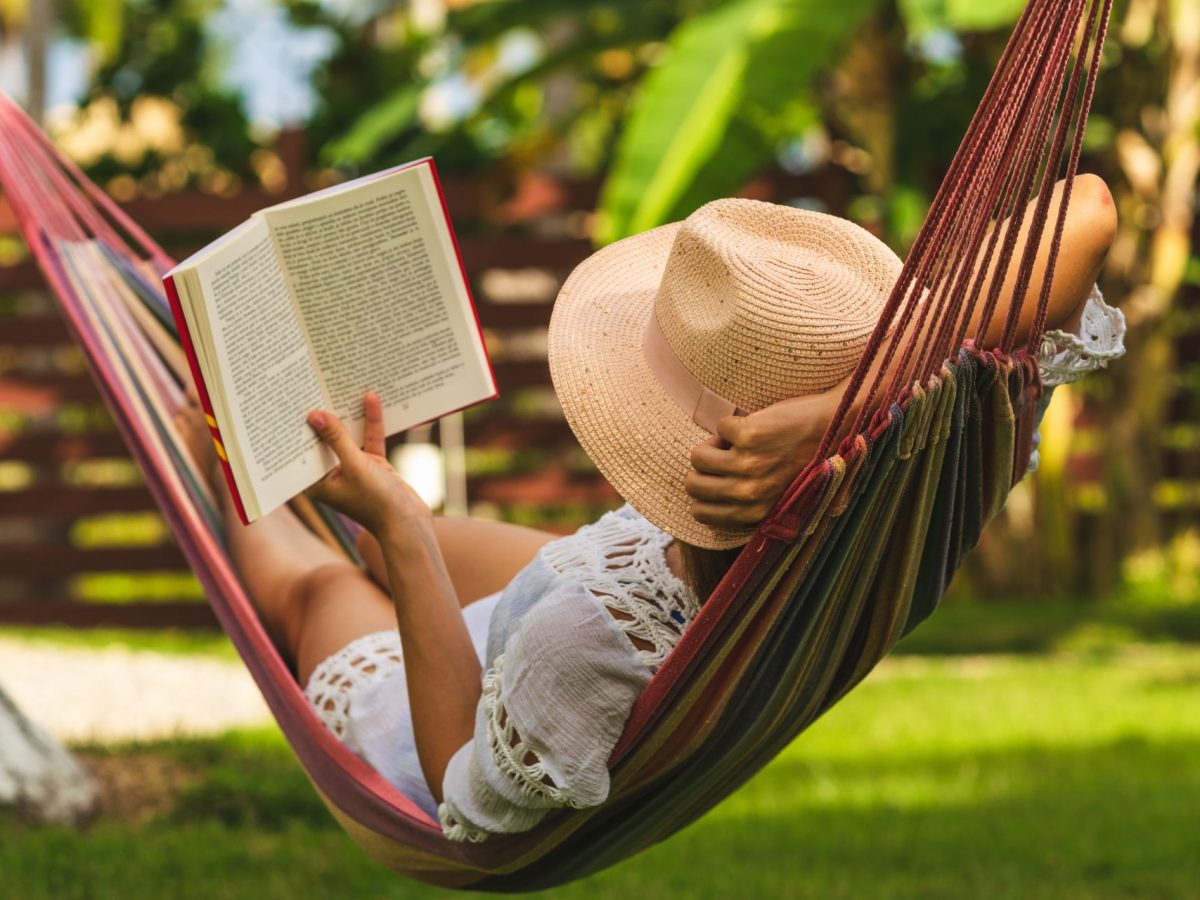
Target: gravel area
116,694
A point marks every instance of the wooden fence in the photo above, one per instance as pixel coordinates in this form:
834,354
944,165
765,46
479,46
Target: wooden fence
80,540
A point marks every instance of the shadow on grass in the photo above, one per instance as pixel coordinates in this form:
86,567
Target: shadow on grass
1110,820
971,627
1115,820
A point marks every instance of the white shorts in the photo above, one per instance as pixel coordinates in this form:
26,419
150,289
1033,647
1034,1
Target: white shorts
361,694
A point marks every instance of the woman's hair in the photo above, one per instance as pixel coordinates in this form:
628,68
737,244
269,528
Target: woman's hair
703,569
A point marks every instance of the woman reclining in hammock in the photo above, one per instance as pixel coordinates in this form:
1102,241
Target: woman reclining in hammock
519,654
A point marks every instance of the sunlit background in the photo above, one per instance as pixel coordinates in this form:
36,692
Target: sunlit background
1062,671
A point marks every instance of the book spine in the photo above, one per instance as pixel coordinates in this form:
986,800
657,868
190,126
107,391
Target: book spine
190,352
437,182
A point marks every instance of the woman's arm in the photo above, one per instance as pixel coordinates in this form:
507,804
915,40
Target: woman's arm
1088,234
738,473
443,670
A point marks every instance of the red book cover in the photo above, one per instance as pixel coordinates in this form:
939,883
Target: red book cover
190,352
437,183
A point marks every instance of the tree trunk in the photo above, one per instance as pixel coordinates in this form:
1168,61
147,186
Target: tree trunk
1153,109
1158,147
39,779
39,27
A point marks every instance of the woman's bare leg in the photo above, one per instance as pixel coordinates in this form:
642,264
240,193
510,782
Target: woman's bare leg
312,601
482,556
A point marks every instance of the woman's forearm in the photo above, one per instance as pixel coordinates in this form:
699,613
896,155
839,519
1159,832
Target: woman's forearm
439,658
1088,233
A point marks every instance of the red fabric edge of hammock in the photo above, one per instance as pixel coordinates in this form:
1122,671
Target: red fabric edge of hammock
189,352
367,794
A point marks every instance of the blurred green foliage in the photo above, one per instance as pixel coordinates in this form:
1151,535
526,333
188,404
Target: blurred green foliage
676,102
733,87
966,15
159,48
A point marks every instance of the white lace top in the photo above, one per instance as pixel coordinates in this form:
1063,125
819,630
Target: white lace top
1064,357
573,640
579,632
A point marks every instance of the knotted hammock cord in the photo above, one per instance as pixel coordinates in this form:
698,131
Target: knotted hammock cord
856,553
1009,128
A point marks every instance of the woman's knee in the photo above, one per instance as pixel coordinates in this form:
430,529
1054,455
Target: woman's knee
313,589
334,605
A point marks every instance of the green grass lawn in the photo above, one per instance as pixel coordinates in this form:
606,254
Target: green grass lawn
175,641
1061,775
961,626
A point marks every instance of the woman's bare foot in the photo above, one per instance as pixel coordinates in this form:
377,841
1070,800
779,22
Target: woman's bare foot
193,428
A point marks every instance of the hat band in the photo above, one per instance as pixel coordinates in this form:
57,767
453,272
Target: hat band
706,407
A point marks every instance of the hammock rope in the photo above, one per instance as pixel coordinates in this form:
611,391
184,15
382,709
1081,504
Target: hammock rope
857,552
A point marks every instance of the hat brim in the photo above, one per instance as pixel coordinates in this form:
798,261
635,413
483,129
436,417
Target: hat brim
637,436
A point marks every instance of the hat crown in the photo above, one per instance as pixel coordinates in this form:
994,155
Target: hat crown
763,302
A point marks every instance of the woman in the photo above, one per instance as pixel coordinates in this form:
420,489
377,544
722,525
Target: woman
518,655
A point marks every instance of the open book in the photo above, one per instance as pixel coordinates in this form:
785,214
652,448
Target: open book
310,304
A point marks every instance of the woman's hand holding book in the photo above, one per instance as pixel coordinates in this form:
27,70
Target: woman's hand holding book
364,485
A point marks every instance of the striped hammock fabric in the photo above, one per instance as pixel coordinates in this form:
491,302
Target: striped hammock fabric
856,554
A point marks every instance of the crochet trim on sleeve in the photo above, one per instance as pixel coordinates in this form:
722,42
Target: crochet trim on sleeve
513,757
1064,357
457,831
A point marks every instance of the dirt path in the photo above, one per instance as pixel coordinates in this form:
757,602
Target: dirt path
116,694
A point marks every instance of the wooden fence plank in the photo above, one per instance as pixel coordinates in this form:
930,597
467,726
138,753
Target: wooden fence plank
550,487
544,434
65,388
33,330
515,315
167,614
27,560
46,446
524,373
69,502
514,251
23,276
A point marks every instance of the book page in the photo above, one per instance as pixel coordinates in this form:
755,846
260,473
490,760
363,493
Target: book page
378,289
266,376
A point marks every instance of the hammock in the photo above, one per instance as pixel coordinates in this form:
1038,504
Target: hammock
856,553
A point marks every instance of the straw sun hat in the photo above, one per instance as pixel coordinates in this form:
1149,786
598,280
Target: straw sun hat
657,337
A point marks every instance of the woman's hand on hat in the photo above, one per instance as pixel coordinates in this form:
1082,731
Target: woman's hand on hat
364,485
739,473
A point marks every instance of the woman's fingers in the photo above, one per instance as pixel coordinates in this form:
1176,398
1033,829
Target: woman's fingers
729,515
332,432
717,488
374,438
736,430
714,458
